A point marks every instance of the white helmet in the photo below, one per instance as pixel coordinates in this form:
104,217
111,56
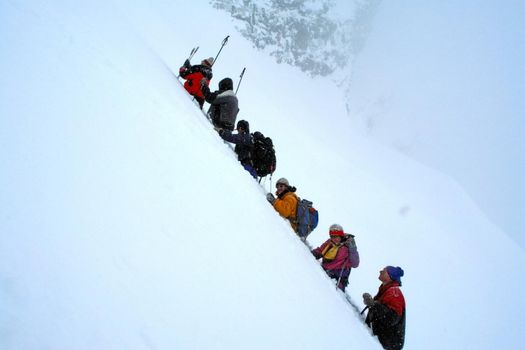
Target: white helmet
282,181
336,227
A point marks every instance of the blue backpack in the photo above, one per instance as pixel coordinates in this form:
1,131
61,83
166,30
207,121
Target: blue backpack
307,218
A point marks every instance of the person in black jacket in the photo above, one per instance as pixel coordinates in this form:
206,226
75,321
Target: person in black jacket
224,104
243,144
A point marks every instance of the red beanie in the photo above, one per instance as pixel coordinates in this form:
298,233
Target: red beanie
339,233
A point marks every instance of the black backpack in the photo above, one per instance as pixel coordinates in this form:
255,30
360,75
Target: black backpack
263,156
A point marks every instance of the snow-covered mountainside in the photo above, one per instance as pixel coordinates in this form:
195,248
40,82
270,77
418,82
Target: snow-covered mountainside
126,223
319,37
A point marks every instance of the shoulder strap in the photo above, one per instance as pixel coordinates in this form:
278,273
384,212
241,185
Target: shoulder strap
329,247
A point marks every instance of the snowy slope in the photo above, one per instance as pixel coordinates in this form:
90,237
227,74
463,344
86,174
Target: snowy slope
126,223
121,226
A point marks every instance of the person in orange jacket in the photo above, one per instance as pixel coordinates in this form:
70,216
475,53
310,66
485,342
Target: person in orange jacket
286,201
194,75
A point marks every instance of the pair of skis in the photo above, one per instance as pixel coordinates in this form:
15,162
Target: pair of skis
192,53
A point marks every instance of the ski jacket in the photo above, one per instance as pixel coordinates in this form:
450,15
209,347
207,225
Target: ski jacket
243,145
224,107
387,317
193,76
336,259
286,205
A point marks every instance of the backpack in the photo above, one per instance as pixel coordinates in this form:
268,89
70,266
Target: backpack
307,218
353,254
263,156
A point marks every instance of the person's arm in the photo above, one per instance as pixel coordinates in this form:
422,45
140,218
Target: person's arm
210,97
183,72
227,135
285,206
187,69
318,252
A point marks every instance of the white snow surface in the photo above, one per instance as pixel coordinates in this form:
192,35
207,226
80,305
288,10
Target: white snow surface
126,223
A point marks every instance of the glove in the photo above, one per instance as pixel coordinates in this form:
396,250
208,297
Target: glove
368,300
187,64
203,81
270,198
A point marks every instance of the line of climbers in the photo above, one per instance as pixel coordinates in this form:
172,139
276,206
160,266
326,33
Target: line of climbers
255,152
386,311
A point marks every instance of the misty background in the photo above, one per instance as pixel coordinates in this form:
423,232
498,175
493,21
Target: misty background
441,82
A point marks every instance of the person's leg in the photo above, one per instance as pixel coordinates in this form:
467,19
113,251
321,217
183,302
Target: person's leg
200,100
343,282
251,170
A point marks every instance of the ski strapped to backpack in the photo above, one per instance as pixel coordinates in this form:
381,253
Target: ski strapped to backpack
192,53
307,218
263,156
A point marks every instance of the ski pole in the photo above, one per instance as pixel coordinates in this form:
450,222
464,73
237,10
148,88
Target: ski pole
366,307
240,76
223,43
341,273
339,279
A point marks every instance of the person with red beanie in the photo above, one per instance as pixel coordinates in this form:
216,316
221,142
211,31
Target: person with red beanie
335,255
387,310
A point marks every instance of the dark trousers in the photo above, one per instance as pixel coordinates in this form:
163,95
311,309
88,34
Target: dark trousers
200,100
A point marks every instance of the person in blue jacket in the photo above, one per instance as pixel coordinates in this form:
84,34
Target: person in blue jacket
243,144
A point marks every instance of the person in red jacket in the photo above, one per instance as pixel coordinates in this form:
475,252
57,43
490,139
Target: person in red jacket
194,75
387,310
336,257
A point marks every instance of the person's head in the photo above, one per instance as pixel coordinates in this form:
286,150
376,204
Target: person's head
208,62
243,126
336,233
391,273
226,84
282,185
